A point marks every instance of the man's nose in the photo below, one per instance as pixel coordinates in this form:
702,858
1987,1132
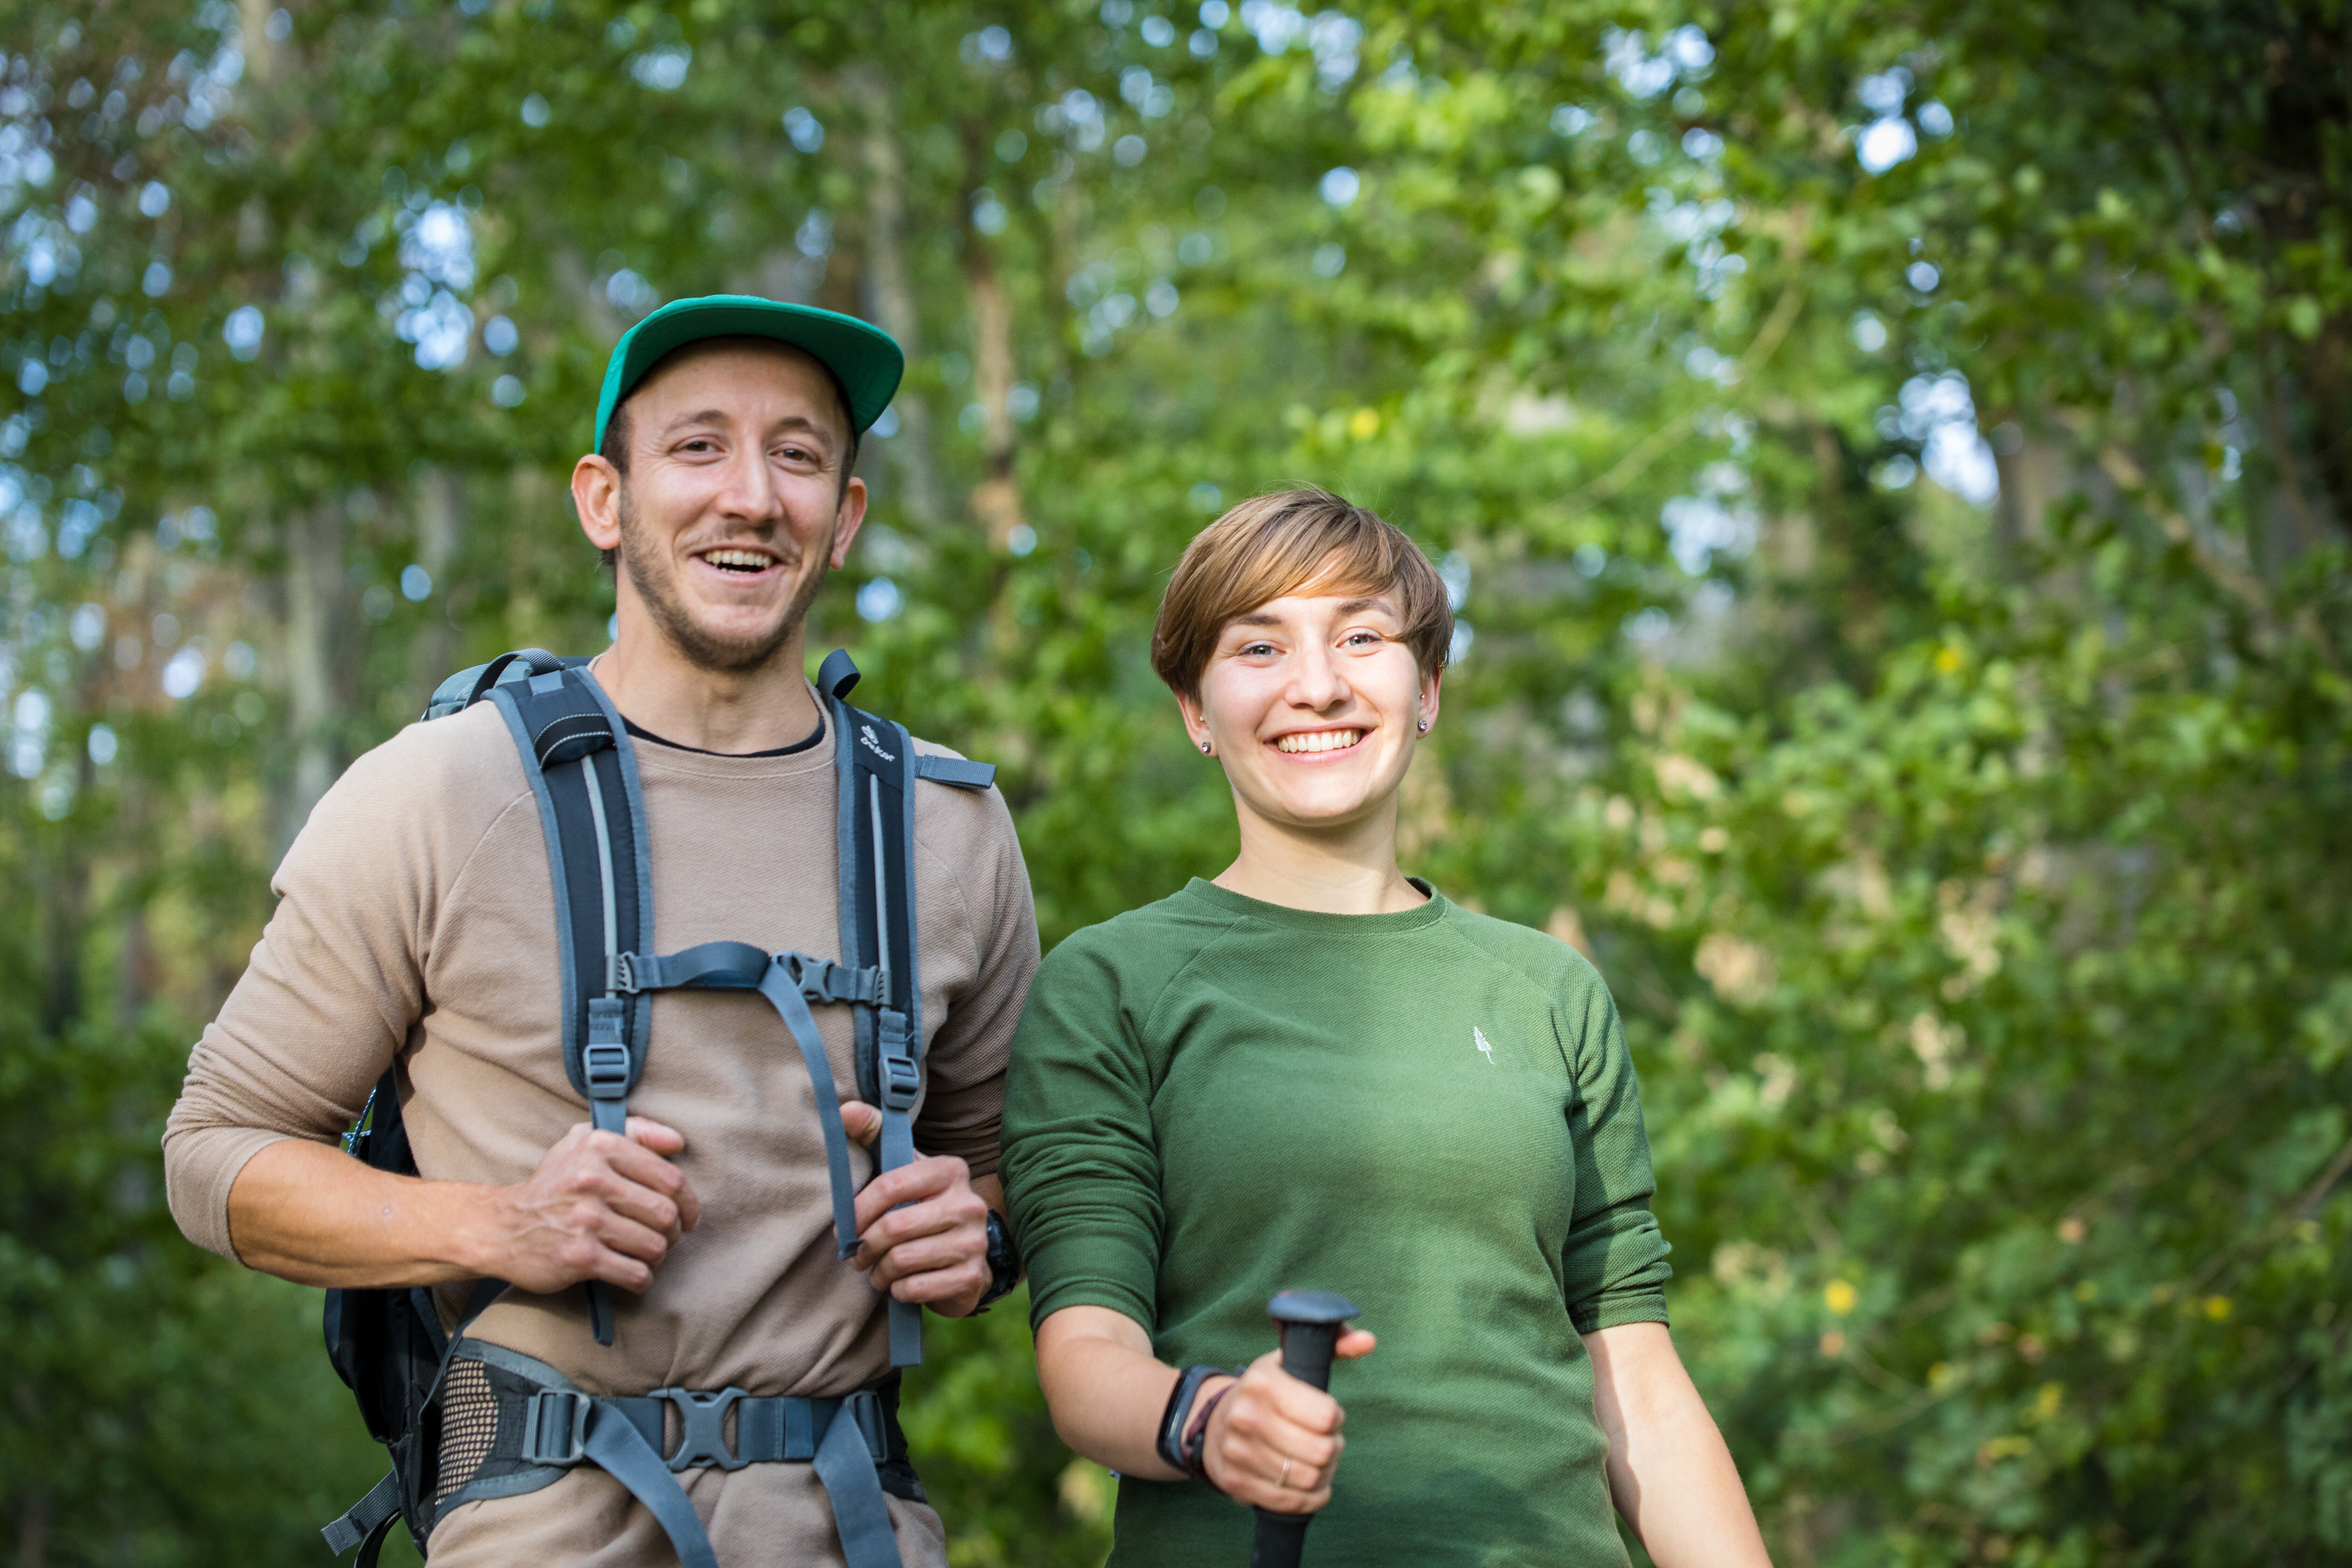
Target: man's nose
749,488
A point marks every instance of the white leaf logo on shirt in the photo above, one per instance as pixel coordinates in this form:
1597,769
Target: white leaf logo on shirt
1478,1039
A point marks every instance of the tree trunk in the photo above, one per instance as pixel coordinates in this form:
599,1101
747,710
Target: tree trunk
314,584
996,499
891,296
440,521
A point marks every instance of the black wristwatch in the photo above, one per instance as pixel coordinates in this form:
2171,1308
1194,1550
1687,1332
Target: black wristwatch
1174,1420
1004,1262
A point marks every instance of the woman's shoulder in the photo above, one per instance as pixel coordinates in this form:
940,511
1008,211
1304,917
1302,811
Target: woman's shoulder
1158,938
1545,961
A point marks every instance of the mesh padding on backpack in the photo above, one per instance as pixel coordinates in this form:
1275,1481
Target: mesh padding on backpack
469,1425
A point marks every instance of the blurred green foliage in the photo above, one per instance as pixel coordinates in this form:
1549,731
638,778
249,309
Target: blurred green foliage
1895,462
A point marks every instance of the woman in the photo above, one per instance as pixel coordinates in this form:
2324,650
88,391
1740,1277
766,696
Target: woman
1317,1073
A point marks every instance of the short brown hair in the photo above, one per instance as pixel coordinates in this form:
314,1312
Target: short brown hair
1276,544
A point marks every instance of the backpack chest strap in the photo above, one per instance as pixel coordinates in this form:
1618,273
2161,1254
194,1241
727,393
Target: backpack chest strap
790,982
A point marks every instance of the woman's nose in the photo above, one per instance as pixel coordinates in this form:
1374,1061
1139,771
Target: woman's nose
1316,681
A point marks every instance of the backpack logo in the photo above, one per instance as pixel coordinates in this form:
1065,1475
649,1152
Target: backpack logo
1478,1039
866,738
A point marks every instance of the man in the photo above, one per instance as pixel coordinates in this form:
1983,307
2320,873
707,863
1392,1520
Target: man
416,925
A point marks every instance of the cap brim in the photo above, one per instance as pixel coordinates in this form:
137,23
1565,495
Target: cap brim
862,356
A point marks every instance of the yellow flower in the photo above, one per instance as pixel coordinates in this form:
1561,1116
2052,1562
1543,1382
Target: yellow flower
1365,425
1840,1298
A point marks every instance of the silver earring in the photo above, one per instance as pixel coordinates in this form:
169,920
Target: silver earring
1205,749
1424,726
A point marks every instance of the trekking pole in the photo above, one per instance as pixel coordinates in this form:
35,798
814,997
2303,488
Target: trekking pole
1311,1321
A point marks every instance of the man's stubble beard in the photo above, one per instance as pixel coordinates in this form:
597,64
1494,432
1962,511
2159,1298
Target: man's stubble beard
649,572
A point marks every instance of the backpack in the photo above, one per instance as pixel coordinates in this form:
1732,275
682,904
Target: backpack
500,1423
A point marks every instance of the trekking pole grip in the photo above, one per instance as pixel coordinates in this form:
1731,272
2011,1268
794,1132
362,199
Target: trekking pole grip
1311,1321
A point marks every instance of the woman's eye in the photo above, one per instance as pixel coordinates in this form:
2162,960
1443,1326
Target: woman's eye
1257,649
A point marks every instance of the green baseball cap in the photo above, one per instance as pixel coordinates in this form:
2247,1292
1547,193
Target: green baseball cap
864,358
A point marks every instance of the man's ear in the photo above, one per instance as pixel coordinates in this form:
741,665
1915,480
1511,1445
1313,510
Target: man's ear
596,497
847,519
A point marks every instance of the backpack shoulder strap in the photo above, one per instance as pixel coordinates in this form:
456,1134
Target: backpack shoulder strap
874,760
576,752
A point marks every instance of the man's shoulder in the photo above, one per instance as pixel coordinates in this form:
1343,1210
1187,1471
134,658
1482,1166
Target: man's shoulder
448,773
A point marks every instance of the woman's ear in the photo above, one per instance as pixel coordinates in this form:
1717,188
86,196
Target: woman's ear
1429,687
1196,724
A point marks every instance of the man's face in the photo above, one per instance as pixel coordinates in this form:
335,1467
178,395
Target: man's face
733,507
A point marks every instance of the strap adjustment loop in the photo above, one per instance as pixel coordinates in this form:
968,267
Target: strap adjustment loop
621,973
703,1418
606,1065
902,1081
555,1428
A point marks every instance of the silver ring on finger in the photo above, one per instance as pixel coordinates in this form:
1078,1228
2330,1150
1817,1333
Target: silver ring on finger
1284,1480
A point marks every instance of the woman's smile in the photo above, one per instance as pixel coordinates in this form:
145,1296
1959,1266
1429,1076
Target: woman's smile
1318,744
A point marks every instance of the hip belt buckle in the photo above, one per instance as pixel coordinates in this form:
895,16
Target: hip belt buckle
703,1417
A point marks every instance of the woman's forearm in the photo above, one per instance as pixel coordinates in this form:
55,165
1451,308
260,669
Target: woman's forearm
1106,1389
1670,1474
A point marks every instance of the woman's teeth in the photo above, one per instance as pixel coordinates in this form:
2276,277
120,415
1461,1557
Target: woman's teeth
1319,741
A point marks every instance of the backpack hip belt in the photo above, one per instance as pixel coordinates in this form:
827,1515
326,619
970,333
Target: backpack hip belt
511,1425
389,1345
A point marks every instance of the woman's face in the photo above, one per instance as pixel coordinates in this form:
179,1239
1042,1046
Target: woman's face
1314,703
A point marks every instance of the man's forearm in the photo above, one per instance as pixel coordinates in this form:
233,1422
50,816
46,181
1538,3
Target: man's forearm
310,1213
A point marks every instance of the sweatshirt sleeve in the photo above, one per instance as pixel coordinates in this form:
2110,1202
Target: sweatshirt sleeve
1615,1266
328,1001
963,1075
1081,1159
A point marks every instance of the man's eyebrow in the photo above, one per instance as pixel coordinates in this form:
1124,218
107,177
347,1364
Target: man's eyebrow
699,416
710,417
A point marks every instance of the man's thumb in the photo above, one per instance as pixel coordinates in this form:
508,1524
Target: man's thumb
861,1122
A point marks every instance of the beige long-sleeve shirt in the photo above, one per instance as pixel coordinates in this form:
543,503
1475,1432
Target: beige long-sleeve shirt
415,923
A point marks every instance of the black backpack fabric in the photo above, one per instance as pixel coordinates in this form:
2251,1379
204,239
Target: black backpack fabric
516,1421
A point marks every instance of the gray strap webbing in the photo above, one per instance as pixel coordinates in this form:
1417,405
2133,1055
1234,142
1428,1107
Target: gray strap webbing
854,1489
783,993
961,772
367,1515
615,1443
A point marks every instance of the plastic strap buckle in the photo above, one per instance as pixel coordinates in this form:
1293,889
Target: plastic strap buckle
555,1428
604,1064
621,973
703,1418
902,1081
823,979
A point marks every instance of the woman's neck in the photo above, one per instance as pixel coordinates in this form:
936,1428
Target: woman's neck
1340,871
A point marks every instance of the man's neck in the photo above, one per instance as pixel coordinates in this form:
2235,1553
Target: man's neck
733,713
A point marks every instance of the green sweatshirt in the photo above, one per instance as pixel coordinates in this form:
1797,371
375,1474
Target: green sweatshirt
1213,1098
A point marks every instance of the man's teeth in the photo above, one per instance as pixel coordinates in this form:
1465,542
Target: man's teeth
748,559
1319,741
